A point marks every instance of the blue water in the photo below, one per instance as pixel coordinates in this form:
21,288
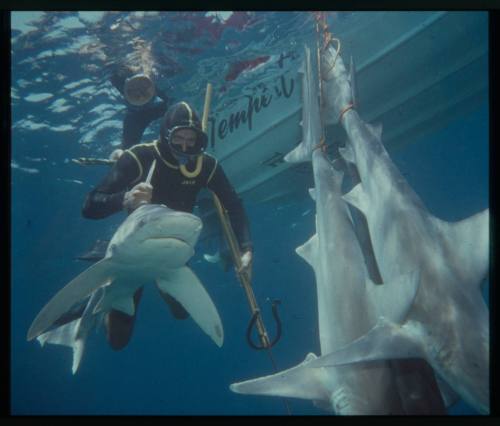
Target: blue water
171,367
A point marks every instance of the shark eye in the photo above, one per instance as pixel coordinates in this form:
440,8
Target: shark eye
141,223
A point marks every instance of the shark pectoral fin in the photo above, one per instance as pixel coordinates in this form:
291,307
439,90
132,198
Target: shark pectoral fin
469,243
347,153
403,289
297,382
77,289
358,198
308,250
298,154
66,335
183,285
384,341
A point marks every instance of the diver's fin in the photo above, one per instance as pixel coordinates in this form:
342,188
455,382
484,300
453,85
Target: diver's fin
184,286
212,258
77,289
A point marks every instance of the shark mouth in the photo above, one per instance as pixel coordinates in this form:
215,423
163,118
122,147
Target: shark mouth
167,238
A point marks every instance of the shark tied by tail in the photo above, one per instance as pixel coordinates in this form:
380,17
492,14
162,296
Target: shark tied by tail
342,285
448,322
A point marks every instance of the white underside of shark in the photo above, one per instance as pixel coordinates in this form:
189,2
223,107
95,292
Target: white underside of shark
152,244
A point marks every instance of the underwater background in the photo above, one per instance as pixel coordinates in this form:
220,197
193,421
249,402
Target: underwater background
64,107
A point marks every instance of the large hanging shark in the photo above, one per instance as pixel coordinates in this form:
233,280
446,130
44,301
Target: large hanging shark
349,303
152,244
448,324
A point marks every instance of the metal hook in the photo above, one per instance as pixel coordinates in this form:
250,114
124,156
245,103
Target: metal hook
252,322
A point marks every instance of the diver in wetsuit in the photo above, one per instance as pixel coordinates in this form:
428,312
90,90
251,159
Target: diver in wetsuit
182,170
144,101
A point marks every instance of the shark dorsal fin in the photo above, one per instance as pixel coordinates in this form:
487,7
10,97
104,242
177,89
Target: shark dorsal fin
358,198
308,250
312,193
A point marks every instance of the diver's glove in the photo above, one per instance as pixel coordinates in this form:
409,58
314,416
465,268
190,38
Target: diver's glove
116,154
140,194
246,264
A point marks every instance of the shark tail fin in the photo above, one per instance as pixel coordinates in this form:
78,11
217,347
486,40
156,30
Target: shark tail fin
469,241
66,335
296,382
77,289
183,285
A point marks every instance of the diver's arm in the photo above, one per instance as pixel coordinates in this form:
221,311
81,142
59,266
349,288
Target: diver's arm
221,186
107,197
137,119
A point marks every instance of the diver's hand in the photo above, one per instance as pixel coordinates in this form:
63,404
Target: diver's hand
246,263
137,196
116,154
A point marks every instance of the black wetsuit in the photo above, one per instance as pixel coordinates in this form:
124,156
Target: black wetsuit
170,186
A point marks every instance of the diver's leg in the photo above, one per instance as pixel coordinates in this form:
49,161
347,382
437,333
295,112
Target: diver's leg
176,308
119,325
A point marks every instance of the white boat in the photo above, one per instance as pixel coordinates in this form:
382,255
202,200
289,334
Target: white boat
416,71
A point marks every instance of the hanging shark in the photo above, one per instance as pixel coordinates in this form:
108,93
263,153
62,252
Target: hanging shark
152,244
349,303
448,324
